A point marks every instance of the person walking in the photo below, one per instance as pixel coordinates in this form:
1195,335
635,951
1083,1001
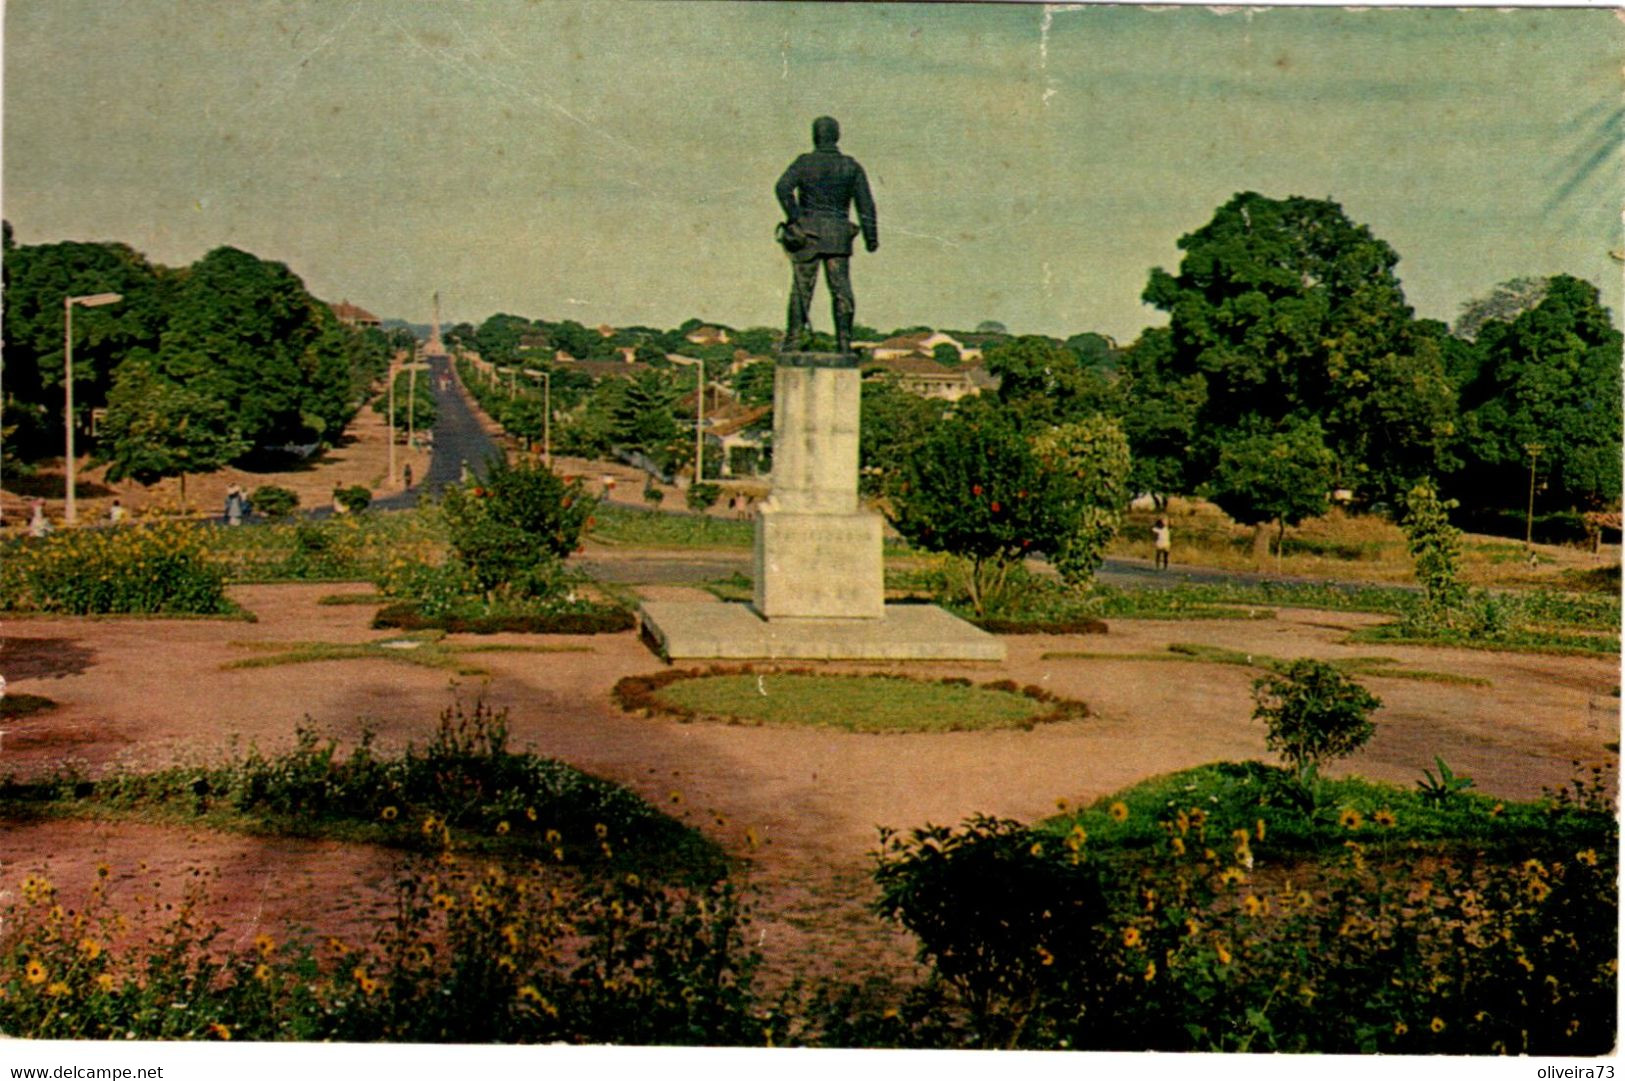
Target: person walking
406,475
234,505
38,524
115,513
1161,542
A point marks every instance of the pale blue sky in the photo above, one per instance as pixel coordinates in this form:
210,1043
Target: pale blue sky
615,162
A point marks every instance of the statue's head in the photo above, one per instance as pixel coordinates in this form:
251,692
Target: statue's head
826,132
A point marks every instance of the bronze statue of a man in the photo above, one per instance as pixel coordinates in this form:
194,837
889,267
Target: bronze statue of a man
815,192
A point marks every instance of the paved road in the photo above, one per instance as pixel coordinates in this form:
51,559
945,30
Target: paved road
458,438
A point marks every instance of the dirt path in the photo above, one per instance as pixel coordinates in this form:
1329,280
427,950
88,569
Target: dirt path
147,692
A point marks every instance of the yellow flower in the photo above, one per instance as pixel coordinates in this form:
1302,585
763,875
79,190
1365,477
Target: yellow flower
104,982
1045,957
262,973
1350,819
1400,1028
444,902
1118,811
1192,928
1495,812
1221,953
1260,829
502,828
57,989
601,830
429,826
553,837
1534,867
1231,875
1252,905
1384,818
1588,857
1036,850
1150,971
1060,804
35,972
368,985
388,814
265,944
1178,845
510,935
1539,890
1131,937
1437,1024
90,948
528,993
219,1031
530,813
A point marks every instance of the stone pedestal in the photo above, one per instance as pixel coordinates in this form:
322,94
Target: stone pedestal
818,566
820,585
817,553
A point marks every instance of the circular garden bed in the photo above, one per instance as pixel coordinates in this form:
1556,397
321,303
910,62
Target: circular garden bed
853,702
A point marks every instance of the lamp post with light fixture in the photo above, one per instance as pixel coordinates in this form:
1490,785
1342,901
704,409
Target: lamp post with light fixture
93,300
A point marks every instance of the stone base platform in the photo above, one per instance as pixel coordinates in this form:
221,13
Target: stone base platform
907,632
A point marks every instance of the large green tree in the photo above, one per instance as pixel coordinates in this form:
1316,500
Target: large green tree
1279,476
1549,378
1289,312
244,331
38,279
1045,381
1159,415
158,428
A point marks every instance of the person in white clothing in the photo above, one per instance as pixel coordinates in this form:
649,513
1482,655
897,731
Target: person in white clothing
1162,542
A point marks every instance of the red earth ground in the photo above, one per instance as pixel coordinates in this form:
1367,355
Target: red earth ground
148,692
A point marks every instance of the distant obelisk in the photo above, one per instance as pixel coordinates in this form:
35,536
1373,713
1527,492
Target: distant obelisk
435,348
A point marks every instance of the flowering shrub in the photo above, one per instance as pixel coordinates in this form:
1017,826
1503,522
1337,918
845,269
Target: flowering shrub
474,954
1374,946
341,548
465,780
161,567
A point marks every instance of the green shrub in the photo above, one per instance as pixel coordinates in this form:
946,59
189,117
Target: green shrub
1005,918
273,501
1314,714
354,499
1178,945
511,530
157,568
701,496
473,954
482,619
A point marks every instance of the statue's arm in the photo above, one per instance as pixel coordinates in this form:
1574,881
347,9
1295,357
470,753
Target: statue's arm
867,221
785,190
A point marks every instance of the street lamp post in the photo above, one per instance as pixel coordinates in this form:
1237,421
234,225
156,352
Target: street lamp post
699,415
1534,450
412,400
547,412
94,300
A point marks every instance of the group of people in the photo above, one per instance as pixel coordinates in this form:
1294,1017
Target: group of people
40,526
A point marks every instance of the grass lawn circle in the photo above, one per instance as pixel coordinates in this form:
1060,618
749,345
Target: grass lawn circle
853,702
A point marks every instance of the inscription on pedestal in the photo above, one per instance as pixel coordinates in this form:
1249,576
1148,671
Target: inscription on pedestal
819,566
